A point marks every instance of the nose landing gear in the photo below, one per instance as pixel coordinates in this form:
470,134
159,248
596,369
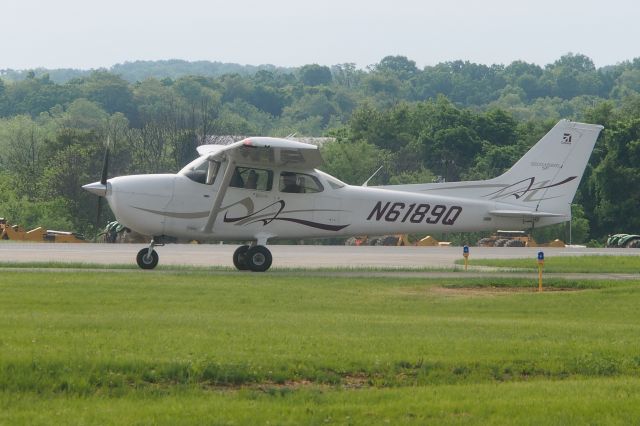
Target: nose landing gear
147,258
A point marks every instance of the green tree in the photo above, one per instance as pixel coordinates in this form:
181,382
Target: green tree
493,161
72,167
312,105
617,182
22,143
346,74
82,114
315,75
400,66
628,83
111,92
354,162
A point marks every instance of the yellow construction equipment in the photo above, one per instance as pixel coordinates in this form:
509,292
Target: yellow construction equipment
39,234
428,241
395,240
515,239
403,240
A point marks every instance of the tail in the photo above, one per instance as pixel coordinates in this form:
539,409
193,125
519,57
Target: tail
541,184
546,178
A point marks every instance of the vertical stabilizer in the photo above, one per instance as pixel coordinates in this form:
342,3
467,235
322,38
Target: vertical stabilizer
546,178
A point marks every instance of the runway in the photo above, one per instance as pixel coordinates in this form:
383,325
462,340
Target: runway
284,256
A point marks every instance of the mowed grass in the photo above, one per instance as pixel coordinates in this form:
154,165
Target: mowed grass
95,347
587,264
215,268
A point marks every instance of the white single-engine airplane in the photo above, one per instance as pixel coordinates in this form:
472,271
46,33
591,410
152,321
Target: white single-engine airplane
261,189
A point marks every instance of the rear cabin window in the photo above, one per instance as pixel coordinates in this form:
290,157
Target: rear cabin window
299,183
252,178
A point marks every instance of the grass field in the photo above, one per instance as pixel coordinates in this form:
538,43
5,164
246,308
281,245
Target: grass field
175,348
587,264
218,268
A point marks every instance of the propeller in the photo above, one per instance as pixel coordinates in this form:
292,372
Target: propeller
103,182
100,188
105,164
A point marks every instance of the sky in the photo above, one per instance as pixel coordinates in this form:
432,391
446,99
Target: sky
90,34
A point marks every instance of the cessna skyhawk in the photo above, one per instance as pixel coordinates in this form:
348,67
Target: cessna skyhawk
263,188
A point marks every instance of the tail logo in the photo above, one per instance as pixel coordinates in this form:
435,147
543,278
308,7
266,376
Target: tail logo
528,187
566,139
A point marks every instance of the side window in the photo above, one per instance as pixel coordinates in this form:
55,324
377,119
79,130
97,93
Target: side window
299,183
251,178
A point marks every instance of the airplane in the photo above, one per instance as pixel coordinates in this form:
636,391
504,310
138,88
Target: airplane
262,189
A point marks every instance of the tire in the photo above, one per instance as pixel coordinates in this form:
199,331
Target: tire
240,258
147,263
258,258
634,243
389,241
485,242
500,243
514,243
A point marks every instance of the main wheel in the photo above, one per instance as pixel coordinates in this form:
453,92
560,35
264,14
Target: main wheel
240,258
634,243
147,262
258,258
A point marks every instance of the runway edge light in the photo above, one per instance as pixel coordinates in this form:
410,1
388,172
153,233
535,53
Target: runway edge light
540,267
465,254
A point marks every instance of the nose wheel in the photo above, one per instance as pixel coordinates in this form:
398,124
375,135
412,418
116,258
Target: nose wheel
147,258
257,258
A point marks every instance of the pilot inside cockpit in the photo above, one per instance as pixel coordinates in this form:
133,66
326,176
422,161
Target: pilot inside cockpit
288,183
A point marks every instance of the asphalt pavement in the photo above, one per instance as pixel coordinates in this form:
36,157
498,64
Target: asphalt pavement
284,256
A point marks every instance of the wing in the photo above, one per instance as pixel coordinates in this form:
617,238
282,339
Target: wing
264,151
258,152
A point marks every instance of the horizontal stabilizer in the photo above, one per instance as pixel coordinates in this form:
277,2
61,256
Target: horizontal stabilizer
524,213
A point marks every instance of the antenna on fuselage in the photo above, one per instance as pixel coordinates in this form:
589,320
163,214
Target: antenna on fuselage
366,182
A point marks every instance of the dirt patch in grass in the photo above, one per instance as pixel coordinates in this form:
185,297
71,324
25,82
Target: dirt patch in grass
494,291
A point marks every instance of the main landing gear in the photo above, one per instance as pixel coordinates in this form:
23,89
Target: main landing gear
256,258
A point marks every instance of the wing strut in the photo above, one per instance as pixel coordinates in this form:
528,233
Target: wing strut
215,208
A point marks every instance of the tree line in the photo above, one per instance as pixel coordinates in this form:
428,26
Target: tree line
455,120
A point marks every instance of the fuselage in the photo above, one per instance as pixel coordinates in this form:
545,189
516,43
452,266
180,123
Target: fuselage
179,205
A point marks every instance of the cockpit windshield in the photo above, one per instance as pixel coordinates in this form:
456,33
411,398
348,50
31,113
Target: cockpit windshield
201,170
